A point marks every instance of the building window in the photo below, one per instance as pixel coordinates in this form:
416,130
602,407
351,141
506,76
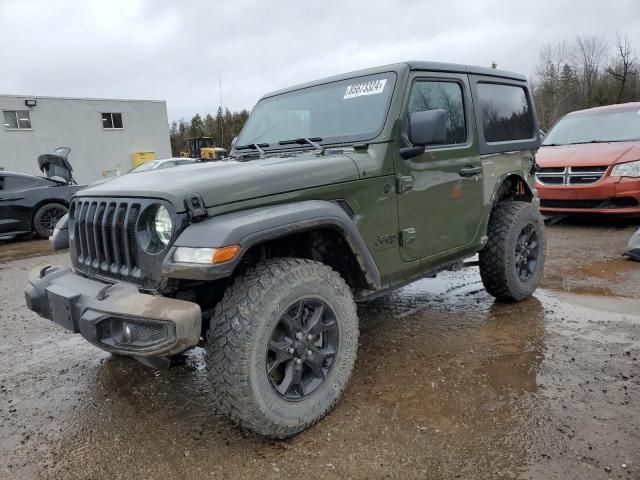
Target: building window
17,119
112,120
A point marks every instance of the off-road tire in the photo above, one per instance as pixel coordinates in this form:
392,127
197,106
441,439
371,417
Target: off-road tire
56,209
498,257
242,325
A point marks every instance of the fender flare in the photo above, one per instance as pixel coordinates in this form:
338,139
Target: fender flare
252,227
500,181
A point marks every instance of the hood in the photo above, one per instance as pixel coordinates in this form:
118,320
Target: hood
230,181
56,165
588,154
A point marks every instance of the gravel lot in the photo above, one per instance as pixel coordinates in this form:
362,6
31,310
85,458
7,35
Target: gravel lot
448,384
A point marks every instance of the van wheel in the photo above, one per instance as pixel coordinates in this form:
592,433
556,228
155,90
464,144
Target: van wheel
512,261
281,346
46,217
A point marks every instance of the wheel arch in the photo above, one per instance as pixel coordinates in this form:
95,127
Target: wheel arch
315,229
512,186
508,187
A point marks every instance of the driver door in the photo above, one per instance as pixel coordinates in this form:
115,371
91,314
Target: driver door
10,215
440,191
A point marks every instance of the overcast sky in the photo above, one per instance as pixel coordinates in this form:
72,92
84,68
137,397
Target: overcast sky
174,50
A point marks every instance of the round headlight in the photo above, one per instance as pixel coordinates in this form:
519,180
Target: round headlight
162,224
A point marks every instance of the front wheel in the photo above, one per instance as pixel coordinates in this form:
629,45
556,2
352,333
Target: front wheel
281,346
512,261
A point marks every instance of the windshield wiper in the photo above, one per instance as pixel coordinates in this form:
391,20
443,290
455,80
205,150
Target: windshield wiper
309,141
254,146
592,141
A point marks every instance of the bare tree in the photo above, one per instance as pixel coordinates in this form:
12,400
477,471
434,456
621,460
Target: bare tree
589,72
588,54
625,64
552,58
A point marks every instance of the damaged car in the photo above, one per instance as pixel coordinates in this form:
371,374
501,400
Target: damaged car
30,203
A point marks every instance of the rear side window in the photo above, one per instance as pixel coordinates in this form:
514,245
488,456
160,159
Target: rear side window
17,183
433,95
505,112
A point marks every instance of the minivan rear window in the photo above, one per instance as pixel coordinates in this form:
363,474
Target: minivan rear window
505,112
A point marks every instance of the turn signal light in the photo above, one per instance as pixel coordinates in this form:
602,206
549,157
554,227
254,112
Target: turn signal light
206,255
225,254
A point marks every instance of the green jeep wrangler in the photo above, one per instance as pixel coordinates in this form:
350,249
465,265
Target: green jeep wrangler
336,191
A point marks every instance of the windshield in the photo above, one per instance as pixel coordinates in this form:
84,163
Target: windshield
143,167
606,126
345,111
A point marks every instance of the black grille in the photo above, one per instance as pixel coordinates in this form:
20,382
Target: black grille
616,202
588,169
104,235
570,175
104,239
552,180
551,169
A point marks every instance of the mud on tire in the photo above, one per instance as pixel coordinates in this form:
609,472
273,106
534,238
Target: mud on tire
516,236
245,328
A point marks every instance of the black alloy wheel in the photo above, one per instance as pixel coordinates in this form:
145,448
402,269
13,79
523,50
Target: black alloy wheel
50,218
302,349
46,218
527,252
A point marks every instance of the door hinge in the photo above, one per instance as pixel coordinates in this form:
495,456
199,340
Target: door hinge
195,206
407,235
404,184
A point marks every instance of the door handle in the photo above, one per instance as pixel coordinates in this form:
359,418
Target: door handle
470,171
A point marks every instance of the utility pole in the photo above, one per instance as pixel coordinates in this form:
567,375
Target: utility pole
222,117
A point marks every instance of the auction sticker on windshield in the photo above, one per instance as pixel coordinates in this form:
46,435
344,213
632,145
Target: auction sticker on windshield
372,87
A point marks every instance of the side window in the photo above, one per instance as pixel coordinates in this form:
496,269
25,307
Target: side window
432,95
505,112
1,183
17,183
112,120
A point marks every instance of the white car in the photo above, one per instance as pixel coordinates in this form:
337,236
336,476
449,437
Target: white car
164,163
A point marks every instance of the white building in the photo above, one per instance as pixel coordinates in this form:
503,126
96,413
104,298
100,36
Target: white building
103,134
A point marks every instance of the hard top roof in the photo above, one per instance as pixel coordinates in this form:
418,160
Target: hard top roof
410,65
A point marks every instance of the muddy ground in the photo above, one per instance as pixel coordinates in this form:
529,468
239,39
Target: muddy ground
448,384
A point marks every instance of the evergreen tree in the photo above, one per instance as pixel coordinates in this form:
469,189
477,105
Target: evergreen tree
196,128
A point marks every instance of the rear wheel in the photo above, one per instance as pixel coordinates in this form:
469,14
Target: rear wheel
46,217
512,261
281,346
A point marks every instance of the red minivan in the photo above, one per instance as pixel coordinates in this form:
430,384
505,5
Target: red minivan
590,162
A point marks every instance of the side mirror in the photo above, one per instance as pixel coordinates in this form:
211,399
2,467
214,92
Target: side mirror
425,128
428,127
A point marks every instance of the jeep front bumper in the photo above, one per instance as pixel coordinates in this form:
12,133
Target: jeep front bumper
114,317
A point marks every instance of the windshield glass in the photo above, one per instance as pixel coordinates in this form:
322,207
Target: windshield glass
143,167
344,111
606,126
